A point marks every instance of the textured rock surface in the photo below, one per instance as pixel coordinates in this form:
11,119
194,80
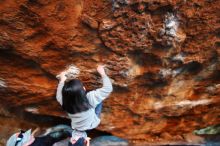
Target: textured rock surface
162,55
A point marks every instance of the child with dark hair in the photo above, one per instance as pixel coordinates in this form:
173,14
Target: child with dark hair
83,108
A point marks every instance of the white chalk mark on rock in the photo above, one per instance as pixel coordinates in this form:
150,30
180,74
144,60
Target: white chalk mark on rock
171,25
179,57
176,71
71,72
165,72
183,103
194,103
117,3
171,30
169,72
33,110
2,83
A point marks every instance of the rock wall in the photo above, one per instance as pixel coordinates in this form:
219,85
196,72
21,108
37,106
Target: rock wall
162,56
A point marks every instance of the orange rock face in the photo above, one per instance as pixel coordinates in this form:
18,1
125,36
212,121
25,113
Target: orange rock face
162,56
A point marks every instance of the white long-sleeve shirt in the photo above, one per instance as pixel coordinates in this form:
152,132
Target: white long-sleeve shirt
88,119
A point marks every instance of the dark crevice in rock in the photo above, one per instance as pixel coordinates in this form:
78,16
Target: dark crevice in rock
158,96
34,2
6,46
163,10
50,45
45,120
215,76
48,121
38,3
217,31
193,67
152,81
25,62
145,59
120,89
214,57
217,44
159,46
41,33
36,104
30,18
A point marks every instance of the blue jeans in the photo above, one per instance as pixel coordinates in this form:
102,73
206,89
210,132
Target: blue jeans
98,109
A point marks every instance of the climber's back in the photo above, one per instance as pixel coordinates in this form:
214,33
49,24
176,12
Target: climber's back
74,97
80,105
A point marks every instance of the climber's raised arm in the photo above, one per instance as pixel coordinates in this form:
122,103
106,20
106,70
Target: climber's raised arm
98,95
62,79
